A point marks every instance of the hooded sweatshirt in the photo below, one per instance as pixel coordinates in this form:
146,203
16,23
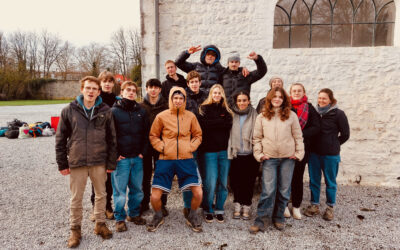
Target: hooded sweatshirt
175,132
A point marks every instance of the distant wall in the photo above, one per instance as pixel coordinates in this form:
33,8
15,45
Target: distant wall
60,90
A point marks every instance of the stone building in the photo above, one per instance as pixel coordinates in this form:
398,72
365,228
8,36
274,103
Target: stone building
350,46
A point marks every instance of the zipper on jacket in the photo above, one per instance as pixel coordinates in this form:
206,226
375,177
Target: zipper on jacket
177,136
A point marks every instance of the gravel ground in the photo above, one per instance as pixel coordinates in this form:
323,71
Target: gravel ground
34,201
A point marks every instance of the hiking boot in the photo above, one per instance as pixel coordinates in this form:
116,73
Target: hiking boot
75,237
280,226
286,214
296,213
246,213
328,215
186,212
220,218
120,226
137,220
312,210
92,218
194,221
209,218
255,229
109,215
102,230
236,211
164,211
155,223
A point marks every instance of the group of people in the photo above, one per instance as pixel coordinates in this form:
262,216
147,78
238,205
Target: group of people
204,130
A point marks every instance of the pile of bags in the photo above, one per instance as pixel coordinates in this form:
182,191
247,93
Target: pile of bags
21,130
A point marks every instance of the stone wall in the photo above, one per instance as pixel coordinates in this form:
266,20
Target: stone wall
364,80
60,90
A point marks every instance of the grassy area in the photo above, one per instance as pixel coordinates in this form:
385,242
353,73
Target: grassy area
32,102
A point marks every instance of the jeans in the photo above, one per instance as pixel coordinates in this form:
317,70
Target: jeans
276,180
216,181
297,180
329,166
129,174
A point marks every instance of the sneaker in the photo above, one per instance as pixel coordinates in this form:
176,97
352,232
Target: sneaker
220,218
92,218
75,237
164,211
209,218
280,226
296,213
137,220
194,222
109,215
102,230
155,223
236,211
186,212
312,210
246,213
286,214
255,229
120,226
328,215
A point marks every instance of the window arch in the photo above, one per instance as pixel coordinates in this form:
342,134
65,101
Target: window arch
333,23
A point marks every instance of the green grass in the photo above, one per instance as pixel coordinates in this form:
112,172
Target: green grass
32,102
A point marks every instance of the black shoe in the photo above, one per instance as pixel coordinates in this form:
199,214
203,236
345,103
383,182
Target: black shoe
209,218
220,218
194,222
155,223
186,212
164,211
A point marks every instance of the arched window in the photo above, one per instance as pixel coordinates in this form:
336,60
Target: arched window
333,23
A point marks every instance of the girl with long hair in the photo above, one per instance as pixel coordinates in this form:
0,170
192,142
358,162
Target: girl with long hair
277,143
215,119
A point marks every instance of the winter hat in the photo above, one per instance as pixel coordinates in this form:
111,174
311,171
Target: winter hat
234,56
178,92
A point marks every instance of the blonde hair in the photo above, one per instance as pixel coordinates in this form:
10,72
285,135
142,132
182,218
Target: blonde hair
296,84
209,99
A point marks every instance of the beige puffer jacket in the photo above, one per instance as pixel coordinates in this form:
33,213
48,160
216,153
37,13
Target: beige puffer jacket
276,138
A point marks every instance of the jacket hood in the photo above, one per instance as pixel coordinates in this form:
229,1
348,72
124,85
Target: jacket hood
171,105
98,101
210,48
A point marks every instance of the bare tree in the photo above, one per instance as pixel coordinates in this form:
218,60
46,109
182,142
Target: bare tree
119,48
4,49
65,60
33,57
135,46
19,48
92,56
50,45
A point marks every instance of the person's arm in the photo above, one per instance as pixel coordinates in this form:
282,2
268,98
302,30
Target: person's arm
297,136
344,128
146,124
196,135
181,62
261,68
313,124
62,136
257,138
155,134
111,140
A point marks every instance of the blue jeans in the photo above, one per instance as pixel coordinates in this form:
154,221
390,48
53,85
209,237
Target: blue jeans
129,173
216,181
276,182
329,166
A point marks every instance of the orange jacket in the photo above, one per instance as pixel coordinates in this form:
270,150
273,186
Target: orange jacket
175,133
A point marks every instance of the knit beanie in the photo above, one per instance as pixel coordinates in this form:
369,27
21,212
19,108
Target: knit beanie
234,56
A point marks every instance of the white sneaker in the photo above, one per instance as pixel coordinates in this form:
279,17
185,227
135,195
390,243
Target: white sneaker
286,213
236,212
246,213
296,213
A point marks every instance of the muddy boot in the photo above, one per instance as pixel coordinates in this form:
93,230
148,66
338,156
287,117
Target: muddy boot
102,230
75,237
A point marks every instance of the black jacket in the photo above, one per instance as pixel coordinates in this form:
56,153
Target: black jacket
170,82
132,127
108,98
216,123
83,141
311,128
194,100
334,132
210,74
234,81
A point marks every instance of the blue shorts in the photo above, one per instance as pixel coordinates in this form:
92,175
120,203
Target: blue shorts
186,170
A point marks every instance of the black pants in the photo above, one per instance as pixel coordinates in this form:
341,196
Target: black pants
109,191
243,173
297,180
149,161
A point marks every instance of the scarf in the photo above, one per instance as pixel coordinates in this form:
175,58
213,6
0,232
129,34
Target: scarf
247,131
128,105
301,107
326,109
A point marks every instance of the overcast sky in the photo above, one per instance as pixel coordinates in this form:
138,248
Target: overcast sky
78,21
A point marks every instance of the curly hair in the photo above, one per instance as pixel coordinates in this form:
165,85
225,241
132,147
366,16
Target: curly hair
284,109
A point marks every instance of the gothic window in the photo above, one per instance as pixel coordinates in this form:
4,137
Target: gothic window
333,23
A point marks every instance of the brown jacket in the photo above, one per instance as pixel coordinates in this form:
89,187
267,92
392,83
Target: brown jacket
276,138
175,133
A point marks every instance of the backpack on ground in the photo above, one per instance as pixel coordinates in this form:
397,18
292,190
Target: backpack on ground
12,133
